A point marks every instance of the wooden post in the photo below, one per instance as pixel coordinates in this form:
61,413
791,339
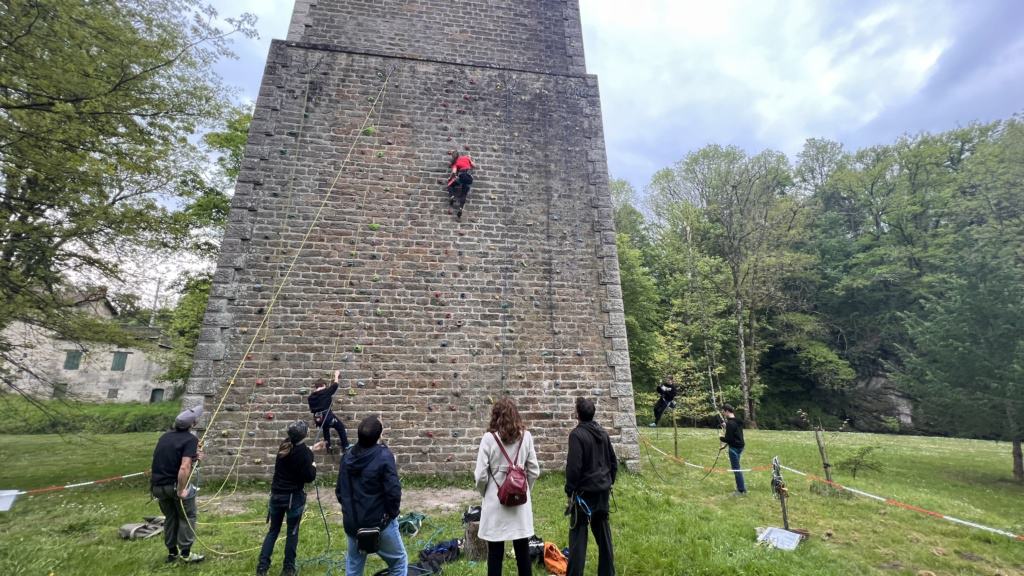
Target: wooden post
780,490
785,512
824,454
675,433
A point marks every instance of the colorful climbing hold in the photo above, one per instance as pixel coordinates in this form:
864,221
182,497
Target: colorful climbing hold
373,226
259,382
269,415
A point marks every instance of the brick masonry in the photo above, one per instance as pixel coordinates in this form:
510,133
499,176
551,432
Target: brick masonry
429,319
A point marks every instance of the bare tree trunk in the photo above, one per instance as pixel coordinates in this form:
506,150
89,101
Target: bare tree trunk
752,369
742,350
1018,461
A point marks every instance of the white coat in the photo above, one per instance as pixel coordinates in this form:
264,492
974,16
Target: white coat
501,523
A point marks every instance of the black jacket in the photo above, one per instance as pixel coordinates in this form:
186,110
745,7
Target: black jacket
320,400
291,472
591,465
368,488
733,433
667,391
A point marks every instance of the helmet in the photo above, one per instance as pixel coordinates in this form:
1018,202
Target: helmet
297,431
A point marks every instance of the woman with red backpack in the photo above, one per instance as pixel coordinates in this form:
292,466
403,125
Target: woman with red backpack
506,468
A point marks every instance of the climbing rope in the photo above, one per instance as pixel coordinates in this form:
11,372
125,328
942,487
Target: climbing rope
274,298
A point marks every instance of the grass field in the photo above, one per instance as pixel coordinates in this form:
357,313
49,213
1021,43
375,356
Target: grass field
667,521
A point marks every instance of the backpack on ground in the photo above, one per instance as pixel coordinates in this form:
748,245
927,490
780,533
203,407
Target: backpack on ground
514,489
555,562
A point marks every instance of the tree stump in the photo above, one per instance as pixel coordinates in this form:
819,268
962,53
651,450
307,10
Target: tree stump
475,548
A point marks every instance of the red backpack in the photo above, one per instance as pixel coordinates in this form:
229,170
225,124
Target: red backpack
513,491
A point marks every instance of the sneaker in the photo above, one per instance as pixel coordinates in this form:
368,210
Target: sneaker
288,572
458,214
262,571
192,558
171,558
738,493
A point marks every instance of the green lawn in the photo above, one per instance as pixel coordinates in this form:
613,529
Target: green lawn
668,520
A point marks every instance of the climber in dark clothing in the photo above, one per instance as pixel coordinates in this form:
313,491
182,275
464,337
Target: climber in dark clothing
667,391
590,470
733,438
293,468
460,181
325,419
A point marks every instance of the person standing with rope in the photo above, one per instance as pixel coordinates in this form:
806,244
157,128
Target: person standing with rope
293,468
733,439
460,180
320,400
173,458
590,470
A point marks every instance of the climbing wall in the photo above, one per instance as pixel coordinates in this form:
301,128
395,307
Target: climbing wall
341,251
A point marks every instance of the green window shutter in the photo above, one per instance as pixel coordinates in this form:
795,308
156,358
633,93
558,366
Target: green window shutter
120,359
73,359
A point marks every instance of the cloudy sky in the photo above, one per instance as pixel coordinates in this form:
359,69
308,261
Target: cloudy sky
676,75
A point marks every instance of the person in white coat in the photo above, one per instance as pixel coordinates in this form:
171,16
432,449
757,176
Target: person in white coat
500,523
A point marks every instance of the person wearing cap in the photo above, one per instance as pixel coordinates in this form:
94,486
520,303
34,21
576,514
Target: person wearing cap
293,468
176,452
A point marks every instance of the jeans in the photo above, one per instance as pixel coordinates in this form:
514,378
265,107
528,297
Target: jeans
734,463
331,421
281,506
598,522
179,518
391,550
496,553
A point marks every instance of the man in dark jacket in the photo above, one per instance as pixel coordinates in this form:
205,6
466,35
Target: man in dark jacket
370,495
666,398
175,454
320,405
734,440
590,470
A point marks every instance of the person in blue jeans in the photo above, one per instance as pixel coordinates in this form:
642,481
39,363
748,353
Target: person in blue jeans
293,468
734,440
370,495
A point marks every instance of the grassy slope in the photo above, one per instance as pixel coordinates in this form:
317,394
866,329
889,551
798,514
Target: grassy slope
668,522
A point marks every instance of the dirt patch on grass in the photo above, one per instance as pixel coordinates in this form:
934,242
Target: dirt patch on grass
434,501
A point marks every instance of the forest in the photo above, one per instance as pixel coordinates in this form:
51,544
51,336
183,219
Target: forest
879,289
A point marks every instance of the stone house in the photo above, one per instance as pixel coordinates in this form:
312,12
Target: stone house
93,372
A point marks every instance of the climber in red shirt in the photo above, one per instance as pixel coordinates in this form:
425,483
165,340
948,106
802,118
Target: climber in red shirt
460,180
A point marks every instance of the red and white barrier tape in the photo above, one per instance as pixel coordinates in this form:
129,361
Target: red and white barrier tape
905,506
80,484
704,468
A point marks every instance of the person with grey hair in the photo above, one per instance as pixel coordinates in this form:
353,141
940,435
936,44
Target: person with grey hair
175,454
293,468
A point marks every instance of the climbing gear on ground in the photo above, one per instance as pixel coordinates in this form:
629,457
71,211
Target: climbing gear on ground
513,490
471,515
152,526
409,524
555,562
536,547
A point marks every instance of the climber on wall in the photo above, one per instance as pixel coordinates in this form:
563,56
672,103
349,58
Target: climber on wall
320,405
460,180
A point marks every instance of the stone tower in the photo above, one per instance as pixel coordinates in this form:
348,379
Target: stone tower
341,252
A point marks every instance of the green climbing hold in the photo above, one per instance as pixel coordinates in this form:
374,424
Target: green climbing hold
351,392
376,277
357,348
282,151
373,226
378,312
380,154
369,131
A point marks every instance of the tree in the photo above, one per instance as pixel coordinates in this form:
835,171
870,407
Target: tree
97,100
185,324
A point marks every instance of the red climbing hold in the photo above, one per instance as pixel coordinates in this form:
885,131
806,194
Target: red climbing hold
269,415
466,97
259,381
433,384
248,356
437,294
428,434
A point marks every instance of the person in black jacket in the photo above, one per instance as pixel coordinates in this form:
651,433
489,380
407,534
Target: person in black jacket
370,496
590,470
667,391
171,483
293,468
320,405
734,440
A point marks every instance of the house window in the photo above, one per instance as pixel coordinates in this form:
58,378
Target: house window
111,393
120,359
72,359
157,395
60,389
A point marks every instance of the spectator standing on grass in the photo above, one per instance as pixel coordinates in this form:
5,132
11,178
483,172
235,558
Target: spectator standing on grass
176,453
733,439
293,468
370,495
506,442
590,470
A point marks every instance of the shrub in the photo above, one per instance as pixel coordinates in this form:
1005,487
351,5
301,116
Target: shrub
20,416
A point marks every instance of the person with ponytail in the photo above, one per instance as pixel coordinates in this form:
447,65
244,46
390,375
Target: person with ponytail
293,468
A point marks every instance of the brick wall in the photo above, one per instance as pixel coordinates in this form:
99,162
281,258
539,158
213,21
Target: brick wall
429,319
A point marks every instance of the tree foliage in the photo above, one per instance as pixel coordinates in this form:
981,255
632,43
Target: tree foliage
97,101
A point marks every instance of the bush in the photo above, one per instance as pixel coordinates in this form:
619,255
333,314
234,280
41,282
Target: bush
20,416
862,458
